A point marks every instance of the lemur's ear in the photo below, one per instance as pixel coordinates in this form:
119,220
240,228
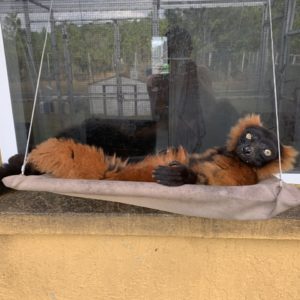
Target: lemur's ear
239,128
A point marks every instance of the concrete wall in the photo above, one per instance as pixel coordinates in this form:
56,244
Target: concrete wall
85,256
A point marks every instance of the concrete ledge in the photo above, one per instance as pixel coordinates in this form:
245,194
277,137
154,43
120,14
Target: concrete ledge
147,225
46,213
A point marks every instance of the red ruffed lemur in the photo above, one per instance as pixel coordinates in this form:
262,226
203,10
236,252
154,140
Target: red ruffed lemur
250,155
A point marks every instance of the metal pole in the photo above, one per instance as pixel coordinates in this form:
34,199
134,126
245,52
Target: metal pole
91,75
68,66
263,57
155,18
288,19
31,69
117,65
55,58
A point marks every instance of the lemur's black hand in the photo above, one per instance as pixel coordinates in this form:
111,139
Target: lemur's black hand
174,174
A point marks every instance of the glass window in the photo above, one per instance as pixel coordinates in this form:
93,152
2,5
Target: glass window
138,76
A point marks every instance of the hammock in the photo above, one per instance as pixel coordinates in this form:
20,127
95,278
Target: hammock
253,202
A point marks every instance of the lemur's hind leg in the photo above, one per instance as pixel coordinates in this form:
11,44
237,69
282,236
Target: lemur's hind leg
145,170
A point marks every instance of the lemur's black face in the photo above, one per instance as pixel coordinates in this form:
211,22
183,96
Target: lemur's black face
257,146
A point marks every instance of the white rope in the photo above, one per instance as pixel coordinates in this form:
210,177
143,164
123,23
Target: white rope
36,91
275,91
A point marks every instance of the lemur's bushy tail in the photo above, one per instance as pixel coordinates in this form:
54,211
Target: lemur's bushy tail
65,158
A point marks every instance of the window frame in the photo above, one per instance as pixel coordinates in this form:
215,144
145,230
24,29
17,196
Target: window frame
8,140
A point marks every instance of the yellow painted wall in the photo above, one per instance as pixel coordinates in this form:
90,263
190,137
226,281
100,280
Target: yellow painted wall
86,257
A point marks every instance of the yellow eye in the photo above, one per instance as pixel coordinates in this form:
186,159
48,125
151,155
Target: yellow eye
267,152
248,136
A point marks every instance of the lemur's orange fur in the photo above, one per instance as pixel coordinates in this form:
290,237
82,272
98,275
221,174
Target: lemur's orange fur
68,159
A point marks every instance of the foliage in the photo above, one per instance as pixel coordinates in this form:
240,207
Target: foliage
226,33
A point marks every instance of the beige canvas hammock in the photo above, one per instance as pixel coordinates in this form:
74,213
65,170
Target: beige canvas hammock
254,202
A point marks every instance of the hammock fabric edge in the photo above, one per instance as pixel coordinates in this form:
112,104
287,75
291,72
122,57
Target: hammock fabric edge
254,202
